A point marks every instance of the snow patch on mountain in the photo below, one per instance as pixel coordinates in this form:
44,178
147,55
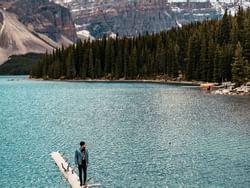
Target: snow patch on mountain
85,35
132,17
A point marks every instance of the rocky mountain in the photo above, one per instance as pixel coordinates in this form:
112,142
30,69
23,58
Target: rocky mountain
15,38
42,25
131,17
33,26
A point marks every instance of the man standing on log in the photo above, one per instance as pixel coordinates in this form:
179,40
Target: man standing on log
82,161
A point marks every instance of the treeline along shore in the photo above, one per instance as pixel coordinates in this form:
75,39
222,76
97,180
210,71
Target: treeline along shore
210,51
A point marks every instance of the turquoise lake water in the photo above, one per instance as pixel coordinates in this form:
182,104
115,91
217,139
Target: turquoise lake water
138,135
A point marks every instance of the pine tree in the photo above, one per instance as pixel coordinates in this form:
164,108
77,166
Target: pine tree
85,63
225,29
210,69
234,32
98,63
204,54
98,68
112,60
170,59
175,67
118,63
217,65
107,66
125,60
227,60
56,70
70,67
247,40
133,64
160,57
246,51
91,64
240,23
238,67
192,59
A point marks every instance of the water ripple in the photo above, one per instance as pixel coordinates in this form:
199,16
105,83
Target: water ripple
139,135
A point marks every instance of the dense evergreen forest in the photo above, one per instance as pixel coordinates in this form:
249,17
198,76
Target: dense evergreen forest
212,50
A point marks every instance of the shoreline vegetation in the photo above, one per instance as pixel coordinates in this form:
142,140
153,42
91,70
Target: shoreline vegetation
122,80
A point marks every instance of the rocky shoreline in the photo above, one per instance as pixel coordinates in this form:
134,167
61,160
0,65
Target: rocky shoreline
230,89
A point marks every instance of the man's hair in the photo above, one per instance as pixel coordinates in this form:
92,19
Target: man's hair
82,143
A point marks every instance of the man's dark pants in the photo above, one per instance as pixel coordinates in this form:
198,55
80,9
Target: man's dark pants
82,168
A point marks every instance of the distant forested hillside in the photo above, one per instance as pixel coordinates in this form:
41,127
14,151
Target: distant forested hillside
19,64
213,50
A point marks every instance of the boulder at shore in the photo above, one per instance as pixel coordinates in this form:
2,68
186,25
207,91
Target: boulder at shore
229,89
